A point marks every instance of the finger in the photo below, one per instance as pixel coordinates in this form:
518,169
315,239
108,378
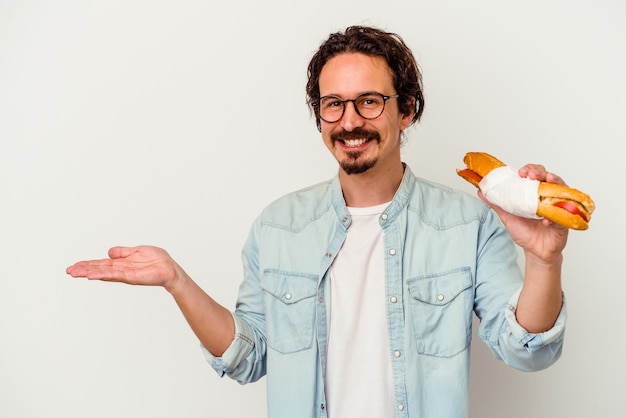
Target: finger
105,264
523,172
83,264
554,178
81,268
533,172
97,271
121,252
484,199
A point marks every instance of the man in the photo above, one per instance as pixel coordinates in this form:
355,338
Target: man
358,293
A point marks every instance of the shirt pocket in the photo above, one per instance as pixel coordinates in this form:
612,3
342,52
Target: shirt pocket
289,310
441,308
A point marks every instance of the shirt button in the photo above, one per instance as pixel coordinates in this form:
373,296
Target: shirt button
384,216
393,299
328,255
401,407
287,296
344,220
392,252
439,298
396,353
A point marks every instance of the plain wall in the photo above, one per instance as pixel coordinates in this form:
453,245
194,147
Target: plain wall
174,123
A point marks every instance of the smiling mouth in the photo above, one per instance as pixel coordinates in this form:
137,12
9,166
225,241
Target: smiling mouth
355,138
353,143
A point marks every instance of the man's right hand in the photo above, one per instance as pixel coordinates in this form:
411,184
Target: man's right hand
152,266
143,265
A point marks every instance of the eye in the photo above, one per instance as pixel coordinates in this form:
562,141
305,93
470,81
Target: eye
331,102
370,101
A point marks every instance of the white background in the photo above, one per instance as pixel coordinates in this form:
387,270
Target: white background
173,123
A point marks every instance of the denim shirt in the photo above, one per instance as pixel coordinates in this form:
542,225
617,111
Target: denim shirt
446,257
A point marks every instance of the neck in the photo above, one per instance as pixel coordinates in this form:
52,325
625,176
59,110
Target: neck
371,188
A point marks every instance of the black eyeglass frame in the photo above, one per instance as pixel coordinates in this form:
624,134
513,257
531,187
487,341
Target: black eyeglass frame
356,108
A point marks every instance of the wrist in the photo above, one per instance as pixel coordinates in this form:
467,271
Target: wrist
178,281
549,262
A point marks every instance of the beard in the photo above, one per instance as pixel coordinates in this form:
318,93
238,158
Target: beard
353,163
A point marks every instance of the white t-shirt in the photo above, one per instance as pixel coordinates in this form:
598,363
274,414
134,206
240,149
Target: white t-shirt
358,373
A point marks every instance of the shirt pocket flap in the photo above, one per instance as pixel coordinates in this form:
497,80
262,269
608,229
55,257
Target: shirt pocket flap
289,288
440,289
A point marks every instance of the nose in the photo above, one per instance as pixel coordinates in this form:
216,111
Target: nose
350,119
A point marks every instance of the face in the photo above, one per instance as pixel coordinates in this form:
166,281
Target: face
361,145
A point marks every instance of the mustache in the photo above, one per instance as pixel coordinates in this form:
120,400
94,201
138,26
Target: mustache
355,134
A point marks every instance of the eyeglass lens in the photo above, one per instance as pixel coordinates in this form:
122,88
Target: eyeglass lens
367,105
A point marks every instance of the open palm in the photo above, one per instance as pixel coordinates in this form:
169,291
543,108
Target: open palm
143,265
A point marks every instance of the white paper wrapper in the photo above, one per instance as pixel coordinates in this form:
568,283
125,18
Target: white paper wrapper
515,194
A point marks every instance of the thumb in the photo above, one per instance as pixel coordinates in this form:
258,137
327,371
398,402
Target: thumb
121,252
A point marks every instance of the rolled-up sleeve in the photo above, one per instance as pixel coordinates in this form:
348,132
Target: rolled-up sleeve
236,355
244,359
527,351
534,342
499,287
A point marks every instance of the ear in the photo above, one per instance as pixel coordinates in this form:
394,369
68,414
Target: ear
408,118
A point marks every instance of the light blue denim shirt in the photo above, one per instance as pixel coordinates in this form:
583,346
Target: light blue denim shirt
446,256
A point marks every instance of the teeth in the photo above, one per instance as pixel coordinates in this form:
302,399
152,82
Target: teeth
354,142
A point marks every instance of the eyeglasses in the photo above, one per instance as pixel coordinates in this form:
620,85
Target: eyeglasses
369,105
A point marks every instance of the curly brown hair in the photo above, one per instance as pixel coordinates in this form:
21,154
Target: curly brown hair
407,78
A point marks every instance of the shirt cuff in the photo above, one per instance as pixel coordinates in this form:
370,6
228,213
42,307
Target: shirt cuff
237,351
533,342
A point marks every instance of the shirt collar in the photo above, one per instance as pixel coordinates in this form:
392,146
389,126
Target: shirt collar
397,205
